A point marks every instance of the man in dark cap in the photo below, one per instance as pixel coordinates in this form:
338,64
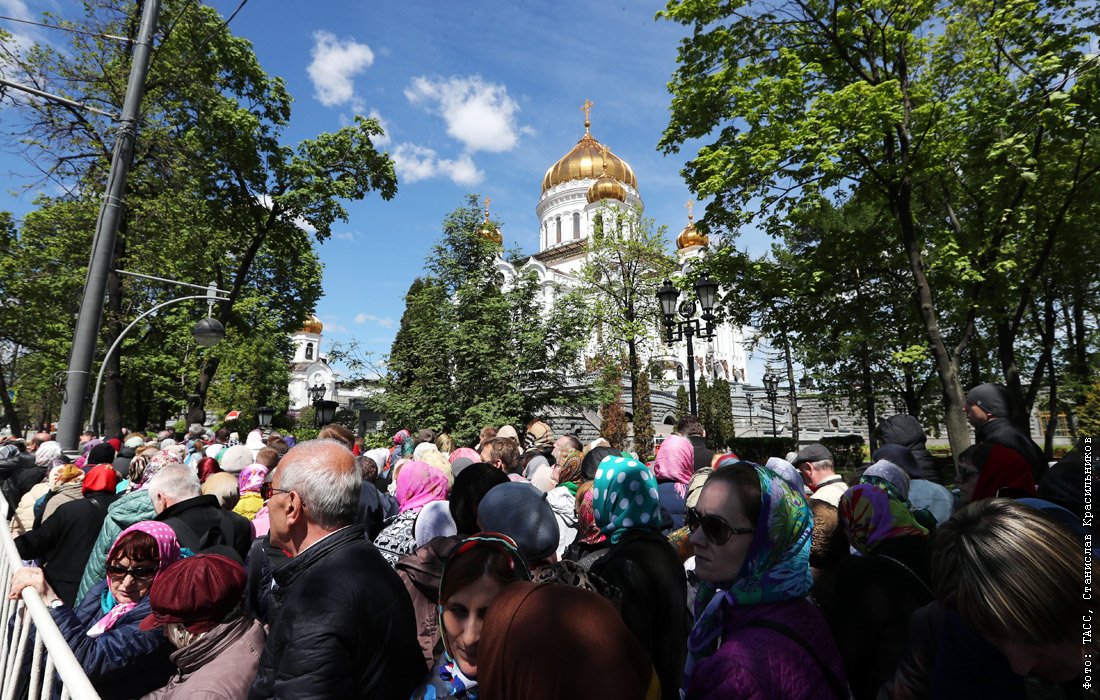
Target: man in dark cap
989,410
815,464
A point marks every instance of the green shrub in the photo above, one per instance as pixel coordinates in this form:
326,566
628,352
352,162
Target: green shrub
759,449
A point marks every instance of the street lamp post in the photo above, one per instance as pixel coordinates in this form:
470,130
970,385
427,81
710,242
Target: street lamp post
324,411
748,400
771,387
689,326
264,414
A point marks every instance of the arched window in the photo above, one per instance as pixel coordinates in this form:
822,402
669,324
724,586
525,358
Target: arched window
309,351
597,223
679,373
576,225
557,220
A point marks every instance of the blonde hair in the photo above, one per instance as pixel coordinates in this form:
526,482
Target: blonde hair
1011,572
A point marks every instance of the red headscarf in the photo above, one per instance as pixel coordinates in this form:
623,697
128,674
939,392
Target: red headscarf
1005,468
101,477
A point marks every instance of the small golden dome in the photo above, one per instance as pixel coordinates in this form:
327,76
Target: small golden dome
690,236
488,230
313,325
587,161
606,188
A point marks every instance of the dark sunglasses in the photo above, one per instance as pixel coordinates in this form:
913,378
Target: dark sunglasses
715,529
139,574
267,490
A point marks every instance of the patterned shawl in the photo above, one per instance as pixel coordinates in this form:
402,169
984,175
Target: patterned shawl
624,496
675,462
870,514
776,567
419,484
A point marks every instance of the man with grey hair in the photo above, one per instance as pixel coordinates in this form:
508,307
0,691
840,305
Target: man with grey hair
198,521
815,464
342,625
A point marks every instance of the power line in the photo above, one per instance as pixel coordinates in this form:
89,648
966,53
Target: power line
66,29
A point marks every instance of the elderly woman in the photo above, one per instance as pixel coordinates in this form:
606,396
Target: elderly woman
248,485
673,468
103,630
987,470
197,604
417,485
477,569
751,535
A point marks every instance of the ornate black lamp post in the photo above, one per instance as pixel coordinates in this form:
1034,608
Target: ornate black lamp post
324,410
748,400
689,326
771,387
264,414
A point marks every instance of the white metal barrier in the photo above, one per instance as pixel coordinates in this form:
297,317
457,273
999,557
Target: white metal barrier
27,628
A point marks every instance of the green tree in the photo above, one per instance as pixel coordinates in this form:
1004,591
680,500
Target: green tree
971,124
683,404
643,419
721,406
626,261
613,423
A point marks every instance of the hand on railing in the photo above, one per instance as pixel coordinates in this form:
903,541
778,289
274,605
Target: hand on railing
31,577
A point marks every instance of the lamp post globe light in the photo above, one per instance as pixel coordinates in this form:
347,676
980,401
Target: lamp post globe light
326,412
316,392
688,327
208,332
771,388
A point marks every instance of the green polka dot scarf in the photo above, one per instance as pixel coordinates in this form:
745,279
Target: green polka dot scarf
624,496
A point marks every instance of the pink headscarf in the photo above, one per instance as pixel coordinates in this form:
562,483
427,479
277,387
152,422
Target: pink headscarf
168,552
252,478
675,462
419,484
467,452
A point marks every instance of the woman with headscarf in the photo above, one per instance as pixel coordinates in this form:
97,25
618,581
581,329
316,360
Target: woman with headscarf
478,568
248,485
65,485
418,484
565,476
673,468
207,467
590,541
889,581
987,470
640,563
130,508
751,535
103,629
545,641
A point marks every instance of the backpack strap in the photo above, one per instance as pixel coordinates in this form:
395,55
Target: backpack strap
839,689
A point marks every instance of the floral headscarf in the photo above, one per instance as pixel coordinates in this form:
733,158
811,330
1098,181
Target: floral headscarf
403,446
49,455
65,474
251,478
675,462
870,514
168,552
624,496
569,466
158,461
462,685
587,530
419,484
776,567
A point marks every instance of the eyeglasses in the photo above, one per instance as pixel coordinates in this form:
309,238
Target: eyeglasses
267,490
138,573
968,474
715,529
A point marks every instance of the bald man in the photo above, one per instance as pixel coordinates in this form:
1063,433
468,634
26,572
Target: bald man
342,624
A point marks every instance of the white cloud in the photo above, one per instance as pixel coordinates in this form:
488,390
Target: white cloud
386,138
300,222
479,114
344,235
335,62
415,163
385,322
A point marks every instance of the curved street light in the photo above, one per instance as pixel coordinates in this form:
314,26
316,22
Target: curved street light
690,327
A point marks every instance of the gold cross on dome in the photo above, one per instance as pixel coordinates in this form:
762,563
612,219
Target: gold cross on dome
587,109
690,205
487,201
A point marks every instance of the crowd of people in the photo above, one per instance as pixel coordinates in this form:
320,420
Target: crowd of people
531,565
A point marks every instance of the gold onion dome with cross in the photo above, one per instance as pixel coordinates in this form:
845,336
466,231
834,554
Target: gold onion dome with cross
690,236
488,230
591,160
312,325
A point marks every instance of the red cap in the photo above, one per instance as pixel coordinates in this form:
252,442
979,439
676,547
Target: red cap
198,591
101,477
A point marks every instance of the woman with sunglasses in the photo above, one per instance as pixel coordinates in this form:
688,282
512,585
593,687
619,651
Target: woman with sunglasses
103,629
476,570
751,535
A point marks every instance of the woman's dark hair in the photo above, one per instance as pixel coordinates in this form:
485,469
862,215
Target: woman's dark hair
467,567
976,455
135,546
208,466
367,468
743,477
471,485
340,433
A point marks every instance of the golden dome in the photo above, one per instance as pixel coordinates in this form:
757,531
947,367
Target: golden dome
587,161
488,230
312,325
690,236
606,188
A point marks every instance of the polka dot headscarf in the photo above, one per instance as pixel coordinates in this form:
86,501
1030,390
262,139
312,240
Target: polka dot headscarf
624,496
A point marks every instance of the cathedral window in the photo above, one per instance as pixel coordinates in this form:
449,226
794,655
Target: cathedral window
557,220
309,351
597,224
576,225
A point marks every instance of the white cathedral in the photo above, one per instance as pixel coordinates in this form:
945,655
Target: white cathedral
575,191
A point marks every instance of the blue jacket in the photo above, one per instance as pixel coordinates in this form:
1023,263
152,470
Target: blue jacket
124,662
673,504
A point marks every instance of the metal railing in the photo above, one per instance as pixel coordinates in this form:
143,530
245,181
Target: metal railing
28,629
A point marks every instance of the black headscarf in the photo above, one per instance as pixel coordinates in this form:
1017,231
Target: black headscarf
470,486
592,460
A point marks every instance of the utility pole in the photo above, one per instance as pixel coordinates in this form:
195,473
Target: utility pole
103,244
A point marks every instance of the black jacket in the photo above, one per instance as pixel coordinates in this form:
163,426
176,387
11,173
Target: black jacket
1000,431
195,520
65,540
644,566
374,507
342,626
18,474
703,454
905,430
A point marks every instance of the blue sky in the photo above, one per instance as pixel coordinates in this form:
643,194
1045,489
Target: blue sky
475,97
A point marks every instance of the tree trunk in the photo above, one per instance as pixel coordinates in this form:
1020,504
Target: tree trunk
958,431
9,407
1006,353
